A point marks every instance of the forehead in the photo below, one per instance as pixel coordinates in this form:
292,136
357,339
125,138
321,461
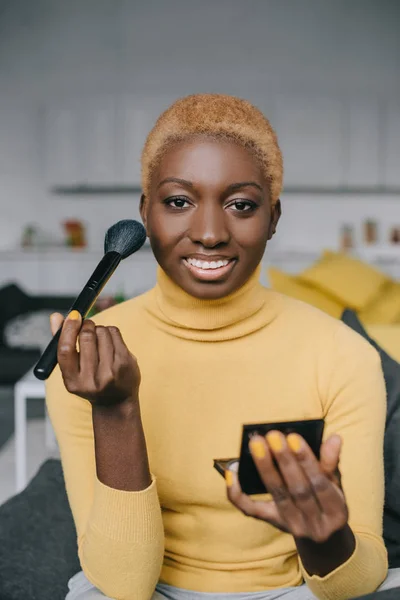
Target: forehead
209,161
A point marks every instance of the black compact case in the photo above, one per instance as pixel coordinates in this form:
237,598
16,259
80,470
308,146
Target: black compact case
311,430
249,479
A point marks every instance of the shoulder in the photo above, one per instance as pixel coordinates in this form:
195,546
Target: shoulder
124,314
300,315
329,334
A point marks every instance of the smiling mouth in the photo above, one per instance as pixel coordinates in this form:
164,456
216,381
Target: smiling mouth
209,270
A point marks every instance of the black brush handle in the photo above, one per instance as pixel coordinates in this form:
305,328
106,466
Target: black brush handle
48,360
82,304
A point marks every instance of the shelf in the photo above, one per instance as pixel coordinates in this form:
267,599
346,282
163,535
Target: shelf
129,190
343,191
96,190
55,253
383,253
49,254
383,257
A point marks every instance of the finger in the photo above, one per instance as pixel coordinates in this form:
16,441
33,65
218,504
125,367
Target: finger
307,514
329,459
105,347
67,354
89,356
293,476
329,496
120,349
330,454
265,511
56,320
274,483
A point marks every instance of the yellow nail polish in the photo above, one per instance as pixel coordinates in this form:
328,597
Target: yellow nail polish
229,478
74,315
294,442
274,440
257,448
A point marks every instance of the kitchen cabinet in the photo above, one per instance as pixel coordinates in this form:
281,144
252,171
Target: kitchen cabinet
135,121
328,143
63,153
310,133
80,143
339,143
391,145
65,271
97,142
361,152
132,132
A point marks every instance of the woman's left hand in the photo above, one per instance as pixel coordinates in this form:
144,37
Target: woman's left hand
307,498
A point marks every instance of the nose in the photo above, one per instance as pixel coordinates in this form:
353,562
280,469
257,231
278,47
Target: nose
209,226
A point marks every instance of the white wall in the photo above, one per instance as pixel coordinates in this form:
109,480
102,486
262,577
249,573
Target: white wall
180,46
326,54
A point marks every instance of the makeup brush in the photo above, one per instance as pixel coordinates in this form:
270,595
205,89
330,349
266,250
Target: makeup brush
121,240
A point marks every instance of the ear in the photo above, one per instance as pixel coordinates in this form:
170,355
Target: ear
276,212
143,210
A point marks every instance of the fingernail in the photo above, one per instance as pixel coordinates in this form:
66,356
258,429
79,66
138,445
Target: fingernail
74,315
274,440
229,478
294,442
257,448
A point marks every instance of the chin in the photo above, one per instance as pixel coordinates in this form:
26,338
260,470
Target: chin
209,291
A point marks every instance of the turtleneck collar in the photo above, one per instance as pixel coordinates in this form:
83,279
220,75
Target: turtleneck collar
236,315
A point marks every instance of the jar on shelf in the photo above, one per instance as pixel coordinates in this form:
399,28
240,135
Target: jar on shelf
75,233
395,235
370,232
346,238
29,237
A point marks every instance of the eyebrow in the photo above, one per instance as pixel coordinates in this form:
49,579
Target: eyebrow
238,186
233,187
176,180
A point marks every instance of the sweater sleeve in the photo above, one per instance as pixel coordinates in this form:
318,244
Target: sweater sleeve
120,534
354,398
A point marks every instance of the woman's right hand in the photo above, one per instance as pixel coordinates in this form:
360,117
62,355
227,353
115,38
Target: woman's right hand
103,371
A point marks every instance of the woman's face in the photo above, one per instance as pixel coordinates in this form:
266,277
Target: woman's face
208,216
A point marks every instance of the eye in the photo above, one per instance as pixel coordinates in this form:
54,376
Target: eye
177,202
242,205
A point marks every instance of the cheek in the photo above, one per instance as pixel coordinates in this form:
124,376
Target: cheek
251,233
164,233
167,232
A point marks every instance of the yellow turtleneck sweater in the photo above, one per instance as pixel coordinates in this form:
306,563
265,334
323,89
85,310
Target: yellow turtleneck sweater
208,367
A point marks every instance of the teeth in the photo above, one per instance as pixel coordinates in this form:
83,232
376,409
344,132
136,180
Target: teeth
202,264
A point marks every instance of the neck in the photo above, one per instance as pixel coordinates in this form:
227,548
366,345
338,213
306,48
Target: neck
196,318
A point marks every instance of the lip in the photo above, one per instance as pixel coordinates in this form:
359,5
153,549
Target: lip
209,257
210,274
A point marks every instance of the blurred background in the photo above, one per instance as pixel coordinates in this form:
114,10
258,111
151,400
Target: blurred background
81,84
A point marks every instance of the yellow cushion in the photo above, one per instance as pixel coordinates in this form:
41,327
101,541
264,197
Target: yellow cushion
388,337
291,286
350,281
385,309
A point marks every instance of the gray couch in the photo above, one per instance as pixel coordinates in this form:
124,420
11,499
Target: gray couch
14,302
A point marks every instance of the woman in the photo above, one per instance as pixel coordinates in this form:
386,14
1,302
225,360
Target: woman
212,349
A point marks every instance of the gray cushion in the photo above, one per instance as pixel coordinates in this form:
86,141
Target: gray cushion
391,372
38,551
30,330
393,594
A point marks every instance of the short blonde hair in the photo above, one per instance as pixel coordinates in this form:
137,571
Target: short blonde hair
221,117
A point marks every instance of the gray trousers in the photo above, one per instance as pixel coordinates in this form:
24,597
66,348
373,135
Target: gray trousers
81,589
